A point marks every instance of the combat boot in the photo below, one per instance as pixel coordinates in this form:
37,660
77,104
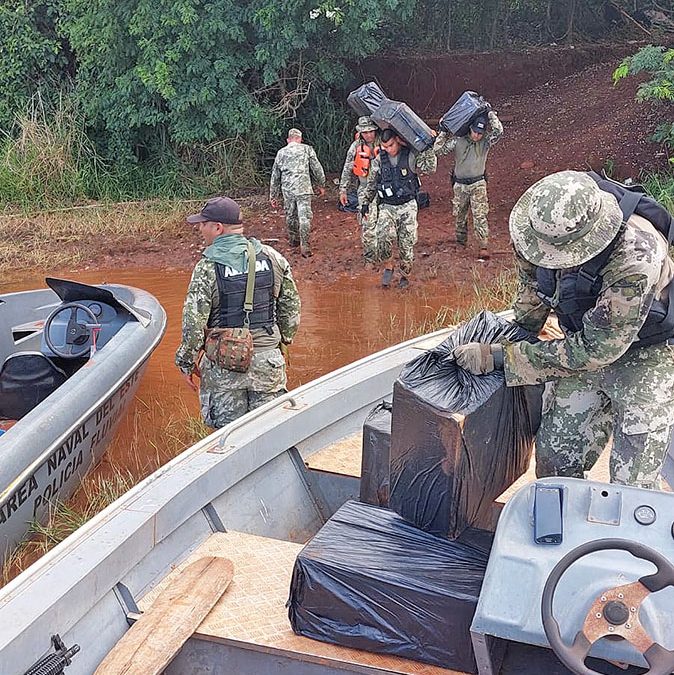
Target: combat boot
306,251
386,277
404,283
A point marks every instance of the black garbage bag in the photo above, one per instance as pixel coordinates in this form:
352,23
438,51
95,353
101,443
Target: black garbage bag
369,580
459,440
376,457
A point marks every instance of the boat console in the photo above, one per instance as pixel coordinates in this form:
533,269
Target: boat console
46,351
583,567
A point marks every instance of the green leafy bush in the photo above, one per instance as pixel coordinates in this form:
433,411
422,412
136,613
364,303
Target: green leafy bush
659,62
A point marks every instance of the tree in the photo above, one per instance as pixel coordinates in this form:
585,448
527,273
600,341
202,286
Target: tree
32,54
192,71
659,62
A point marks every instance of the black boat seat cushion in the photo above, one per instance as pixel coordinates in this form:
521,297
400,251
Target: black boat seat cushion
26,379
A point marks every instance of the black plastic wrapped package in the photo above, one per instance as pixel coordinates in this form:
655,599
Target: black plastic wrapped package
405,122
369,580
459,440
376,458
366,99
467,107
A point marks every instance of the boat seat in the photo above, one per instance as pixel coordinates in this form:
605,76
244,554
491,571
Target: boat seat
26,379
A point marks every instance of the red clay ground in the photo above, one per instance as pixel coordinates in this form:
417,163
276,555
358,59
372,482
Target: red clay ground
579,122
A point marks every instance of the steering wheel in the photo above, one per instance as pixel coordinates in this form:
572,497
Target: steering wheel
77,334
614,613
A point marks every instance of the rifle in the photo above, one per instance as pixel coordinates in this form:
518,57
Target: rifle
54,664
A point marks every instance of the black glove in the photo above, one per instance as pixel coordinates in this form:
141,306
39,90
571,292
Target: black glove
364,210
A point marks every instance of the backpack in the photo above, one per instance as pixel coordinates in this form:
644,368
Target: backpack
634,199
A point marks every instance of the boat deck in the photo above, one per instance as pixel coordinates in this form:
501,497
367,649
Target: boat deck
344,458
252,614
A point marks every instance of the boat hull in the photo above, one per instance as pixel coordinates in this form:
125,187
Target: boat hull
48,451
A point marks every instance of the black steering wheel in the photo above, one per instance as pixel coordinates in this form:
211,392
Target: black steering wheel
77,334
614,613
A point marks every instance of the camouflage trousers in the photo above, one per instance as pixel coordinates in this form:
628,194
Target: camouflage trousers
631,399
473,197
399,221
225,395
298,218
368,228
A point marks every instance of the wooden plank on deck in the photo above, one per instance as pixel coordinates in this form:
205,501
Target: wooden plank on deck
155,639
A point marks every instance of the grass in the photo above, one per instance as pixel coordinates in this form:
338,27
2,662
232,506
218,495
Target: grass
149,438
661,186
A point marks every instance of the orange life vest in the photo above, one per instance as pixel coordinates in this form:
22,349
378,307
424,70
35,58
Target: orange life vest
364,155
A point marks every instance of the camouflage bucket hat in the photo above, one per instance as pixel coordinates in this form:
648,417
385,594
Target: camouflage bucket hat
564,220
366,124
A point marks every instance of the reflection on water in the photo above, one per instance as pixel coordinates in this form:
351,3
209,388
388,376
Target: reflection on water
341,322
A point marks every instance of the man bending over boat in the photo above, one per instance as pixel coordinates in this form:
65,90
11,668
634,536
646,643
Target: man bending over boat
609,281
235,323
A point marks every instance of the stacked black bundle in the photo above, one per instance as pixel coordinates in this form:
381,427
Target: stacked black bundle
467,107
369,580
370,100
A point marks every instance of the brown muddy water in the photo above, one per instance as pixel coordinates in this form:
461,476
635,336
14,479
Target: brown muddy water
341,322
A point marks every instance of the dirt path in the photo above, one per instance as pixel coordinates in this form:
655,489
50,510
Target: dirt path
579,122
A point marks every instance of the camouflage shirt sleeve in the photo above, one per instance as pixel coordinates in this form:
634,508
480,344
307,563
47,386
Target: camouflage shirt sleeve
288,305
372,179
444,143
196,311
426,162
347,179
494,135
315,169
530,311
609,328
275,182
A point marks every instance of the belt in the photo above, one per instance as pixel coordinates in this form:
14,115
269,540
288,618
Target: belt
467,181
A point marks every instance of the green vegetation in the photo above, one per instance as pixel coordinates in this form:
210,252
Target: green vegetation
659,63
137,99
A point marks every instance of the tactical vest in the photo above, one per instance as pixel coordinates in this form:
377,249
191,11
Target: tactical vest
364,155
571,293
397,184
232,293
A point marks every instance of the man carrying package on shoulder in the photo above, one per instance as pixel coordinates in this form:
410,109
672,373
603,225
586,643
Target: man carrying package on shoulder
469,177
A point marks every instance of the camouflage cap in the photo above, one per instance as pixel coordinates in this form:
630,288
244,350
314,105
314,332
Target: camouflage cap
294,133
564,220
365,123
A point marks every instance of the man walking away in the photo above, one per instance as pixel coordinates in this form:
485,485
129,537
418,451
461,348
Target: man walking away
295,169
223,301
469,178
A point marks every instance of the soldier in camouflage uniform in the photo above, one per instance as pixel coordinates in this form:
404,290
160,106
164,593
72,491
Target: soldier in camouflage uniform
226,395
469,176
295,168
394,181
606,376
356,169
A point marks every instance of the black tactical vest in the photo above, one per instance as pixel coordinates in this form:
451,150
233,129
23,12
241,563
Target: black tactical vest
232,293
397,184
571,293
